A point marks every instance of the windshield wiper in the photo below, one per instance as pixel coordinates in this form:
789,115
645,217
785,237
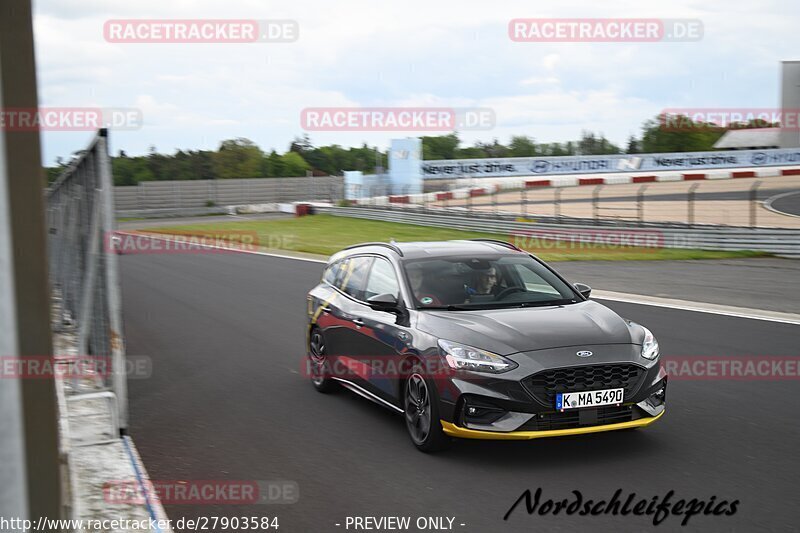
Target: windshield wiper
518,305
496,305
447,308
548,303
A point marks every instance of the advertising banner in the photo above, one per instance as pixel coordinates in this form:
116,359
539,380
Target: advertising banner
543,166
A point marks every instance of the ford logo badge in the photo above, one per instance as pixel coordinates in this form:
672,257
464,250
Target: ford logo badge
584,353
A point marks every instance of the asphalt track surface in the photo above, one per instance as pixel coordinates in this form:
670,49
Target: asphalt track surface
768,283
788,203
226,401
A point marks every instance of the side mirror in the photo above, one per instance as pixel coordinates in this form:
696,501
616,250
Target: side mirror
584,289
383,302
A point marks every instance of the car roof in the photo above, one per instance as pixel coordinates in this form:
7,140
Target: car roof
430,249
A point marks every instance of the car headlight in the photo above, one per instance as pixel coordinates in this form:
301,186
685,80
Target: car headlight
649,345
462,357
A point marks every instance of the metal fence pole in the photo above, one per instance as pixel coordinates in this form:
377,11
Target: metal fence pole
557,202
754,203
690,199
640,203
119,383
595,203
524,194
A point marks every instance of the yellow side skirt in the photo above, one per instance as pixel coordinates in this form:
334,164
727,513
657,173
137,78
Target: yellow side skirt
455,431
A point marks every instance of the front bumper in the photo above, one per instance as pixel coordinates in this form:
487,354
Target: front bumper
464,433
520,404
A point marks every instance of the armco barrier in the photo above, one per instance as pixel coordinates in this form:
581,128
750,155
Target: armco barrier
782,242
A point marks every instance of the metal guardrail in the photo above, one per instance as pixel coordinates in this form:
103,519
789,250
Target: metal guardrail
83,267
781,242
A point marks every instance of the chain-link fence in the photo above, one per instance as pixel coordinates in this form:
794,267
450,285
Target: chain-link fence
714,201
83,265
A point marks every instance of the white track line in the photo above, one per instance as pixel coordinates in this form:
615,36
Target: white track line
163,237
639,299
684,305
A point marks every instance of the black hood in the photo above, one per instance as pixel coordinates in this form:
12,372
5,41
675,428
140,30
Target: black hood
507,331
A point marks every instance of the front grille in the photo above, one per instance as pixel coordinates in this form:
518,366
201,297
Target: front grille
599,416
546,384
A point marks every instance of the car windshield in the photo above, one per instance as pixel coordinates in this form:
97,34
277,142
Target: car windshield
484,282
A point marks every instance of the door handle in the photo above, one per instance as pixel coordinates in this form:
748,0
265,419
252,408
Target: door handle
358,322
326,309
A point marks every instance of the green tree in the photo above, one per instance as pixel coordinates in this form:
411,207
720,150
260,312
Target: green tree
471,152
633,146
522,146
238,158
678,134
495,149
591,144
294,165
440,147
131,170
201,164
272,165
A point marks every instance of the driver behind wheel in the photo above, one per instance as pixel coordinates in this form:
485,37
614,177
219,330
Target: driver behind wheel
485,283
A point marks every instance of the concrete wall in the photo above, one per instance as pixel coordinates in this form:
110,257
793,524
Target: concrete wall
196,193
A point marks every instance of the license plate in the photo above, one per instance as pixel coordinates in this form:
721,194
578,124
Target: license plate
576,400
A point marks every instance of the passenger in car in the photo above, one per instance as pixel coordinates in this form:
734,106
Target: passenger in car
416,277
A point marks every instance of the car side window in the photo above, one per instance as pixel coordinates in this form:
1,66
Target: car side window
331,273
353,274
533,281
382,280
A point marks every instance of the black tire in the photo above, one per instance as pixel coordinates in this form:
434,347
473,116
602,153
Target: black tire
421,413
318,366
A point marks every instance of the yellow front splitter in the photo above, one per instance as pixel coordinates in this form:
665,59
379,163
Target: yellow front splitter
463,433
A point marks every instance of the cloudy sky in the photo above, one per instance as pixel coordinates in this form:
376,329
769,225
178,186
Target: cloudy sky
411,53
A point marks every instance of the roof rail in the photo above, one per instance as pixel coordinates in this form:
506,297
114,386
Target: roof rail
391,246
501,243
